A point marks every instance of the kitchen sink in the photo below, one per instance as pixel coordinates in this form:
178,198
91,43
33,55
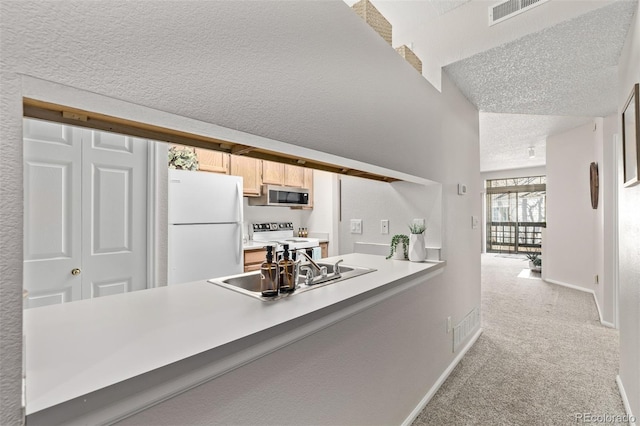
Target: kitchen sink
249,283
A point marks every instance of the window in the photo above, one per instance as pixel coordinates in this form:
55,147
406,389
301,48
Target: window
516,214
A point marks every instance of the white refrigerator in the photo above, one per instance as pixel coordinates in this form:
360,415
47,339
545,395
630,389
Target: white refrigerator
205,226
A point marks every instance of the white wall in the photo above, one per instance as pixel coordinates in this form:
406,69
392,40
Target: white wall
11,213
460,160
579,240
628,237
267,68
398,202
607,220
570,242
320,220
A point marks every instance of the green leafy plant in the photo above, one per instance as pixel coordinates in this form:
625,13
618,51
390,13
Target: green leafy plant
534,258
182,158
399,239
416,228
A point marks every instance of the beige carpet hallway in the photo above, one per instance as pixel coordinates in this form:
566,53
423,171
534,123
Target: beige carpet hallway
543,359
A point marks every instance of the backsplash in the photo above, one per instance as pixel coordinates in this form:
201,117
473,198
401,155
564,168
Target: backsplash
262,214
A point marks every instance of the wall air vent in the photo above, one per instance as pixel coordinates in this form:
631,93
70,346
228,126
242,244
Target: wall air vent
511,8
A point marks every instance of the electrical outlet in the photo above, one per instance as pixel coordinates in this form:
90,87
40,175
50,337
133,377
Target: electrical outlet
448,325
384,226
356,226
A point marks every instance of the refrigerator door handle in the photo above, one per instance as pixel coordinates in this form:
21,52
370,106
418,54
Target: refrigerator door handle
240,249
240,214
240,221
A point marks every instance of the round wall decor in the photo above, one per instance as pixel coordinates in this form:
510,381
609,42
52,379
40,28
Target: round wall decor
594,180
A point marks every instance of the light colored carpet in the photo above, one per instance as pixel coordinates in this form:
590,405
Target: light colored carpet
542,359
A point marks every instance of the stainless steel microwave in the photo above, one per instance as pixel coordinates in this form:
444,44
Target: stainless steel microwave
285,196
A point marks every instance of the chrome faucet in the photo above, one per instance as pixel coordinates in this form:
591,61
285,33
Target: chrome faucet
310,275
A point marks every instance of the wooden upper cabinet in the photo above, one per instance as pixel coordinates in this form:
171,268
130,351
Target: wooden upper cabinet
294,176
250,170
213,161
307,182
272,173
282,174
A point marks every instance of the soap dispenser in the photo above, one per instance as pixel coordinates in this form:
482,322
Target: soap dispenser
285,272
269,275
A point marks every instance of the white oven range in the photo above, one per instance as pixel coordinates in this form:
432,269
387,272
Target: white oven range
283,233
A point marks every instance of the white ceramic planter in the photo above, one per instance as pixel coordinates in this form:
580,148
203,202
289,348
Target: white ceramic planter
398,254
534,268
417,250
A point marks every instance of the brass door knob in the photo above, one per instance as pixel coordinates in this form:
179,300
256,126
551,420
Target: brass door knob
75,271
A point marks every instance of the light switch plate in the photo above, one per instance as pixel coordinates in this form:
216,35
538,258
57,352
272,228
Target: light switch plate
356,226
475,222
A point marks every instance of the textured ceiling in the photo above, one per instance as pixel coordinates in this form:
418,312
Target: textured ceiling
543,84
544,71
505,138
444,6
567,69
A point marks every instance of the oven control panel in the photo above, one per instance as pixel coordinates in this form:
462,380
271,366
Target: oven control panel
272,226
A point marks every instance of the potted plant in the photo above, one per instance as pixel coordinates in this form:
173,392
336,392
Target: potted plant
396,253
535,262
182,158
417,249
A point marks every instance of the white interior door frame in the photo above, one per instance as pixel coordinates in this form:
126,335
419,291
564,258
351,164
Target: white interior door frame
617,154
157,208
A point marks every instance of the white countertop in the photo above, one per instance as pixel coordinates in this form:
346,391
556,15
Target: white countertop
80,347
253,245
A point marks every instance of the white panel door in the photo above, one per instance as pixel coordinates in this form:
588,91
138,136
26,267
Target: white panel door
52,204
114,214
85,213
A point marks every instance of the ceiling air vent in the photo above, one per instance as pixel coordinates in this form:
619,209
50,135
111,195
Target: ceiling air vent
511,8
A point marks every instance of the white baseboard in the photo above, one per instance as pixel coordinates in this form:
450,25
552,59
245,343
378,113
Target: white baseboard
607,323
585,290
625,401
432,391
575,287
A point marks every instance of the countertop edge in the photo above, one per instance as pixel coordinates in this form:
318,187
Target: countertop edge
56,388
118,401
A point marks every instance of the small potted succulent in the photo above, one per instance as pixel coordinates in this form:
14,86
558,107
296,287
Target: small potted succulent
182,158
535,262
399,253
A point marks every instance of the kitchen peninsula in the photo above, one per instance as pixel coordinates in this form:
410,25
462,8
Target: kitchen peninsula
102,360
